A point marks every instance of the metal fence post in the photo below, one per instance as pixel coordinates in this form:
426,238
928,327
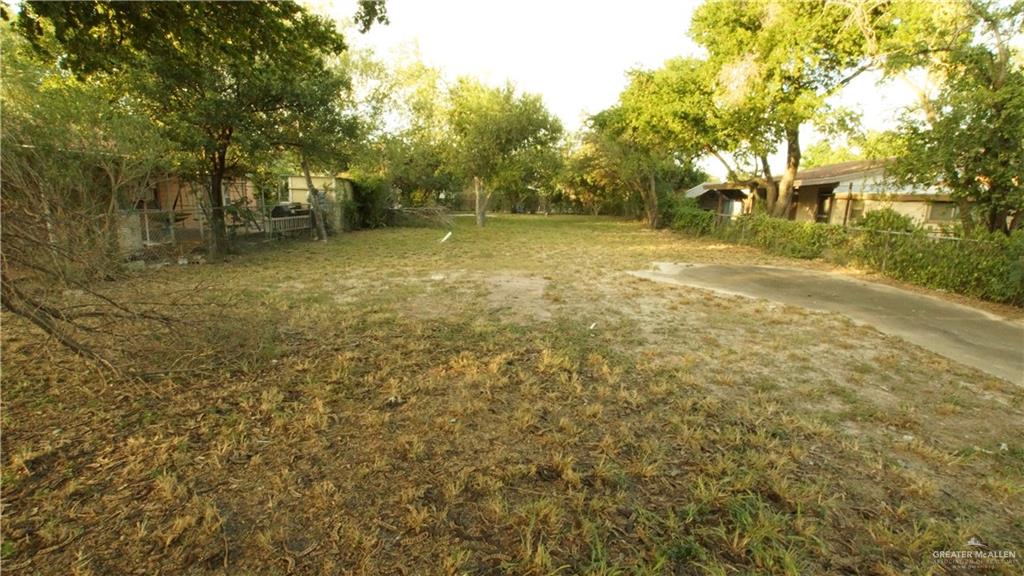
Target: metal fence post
885,251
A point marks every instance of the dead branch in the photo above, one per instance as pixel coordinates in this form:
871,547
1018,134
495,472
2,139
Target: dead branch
17,303
431,216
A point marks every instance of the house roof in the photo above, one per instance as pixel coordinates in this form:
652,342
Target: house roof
842,171
831,173
696,191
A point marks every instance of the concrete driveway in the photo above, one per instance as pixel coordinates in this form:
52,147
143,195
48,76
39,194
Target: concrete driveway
967,335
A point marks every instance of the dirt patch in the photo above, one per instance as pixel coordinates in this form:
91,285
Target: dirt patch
518,298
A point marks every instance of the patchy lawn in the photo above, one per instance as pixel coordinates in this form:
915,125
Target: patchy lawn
510,401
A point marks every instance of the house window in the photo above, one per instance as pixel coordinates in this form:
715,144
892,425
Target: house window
943,211
856,210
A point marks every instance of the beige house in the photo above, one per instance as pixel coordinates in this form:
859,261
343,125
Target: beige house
171,212
336,188
837,194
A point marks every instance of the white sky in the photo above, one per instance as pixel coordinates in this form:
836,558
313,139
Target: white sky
573,52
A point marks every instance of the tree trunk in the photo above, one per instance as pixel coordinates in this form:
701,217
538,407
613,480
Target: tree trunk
218,237
651,201
751,206
771,187
314,202
966,218
789,176
997,221
112,224
481,202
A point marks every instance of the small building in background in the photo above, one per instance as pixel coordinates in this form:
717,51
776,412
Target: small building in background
171,211
336,188
836,194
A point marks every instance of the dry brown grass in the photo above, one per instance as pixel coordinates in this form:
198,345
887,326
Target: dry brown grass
359,414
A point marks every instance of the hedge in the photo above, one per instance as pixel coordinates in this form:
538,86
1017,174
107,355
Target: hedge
690,217
984,265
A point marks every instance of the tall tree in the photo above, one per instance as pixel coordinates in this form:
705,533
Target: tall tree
582,179
674,108
497,134
777,61
632,160
322,132
660,125
968,137
213,74
412,148
628,159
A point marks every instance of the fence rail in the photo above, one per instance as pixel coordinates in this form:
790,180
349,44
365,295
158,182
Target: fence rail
289,223
144,228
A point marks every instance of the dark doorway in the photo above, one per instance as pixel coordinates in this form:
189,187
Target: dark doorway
823,212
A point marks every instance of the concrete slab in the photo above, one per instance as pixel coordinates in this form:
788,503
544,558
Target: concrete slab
967,335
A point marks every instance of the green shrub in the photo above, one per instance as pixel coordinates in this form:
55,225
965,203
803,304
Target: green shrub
349,215
785,237
687,216
983,265
886,219
373,200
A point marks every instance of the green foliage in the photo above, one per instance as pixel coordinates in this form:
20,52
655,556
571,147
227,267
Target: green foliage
774,65
349,215
886,219
687,216
417,167
984,265
580,179
323,127
373,200
625,162
871,145
500,136
823,153
968,137
672,108
781,56
86,137
226,81
412,148
880,145
371,12
785,237
74,152
637,152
